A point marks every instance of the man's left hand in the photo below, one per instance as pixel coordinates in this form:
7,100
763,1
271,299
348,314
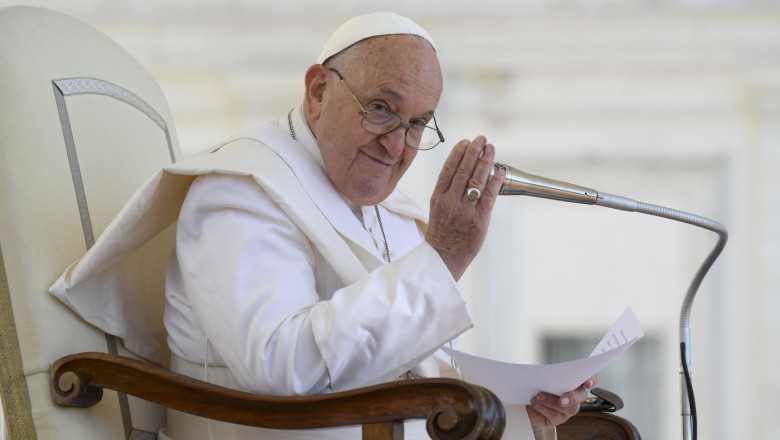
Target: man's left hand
547,410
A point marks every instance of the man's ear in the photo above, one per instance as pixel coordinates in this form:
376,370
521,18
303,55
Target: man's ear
315,91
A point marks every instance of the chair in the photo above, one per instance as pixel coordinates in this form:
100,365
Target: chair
82,124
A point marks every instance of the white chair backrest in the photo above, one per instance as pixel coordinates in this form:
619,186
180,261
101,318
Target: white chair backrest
82,125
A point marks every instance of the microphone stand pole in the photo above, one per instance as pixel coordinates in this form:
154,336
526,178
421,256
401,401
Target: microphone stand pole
688,403
520,183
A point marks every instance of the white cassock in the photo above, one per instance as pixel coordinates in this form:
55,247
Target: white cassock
277,285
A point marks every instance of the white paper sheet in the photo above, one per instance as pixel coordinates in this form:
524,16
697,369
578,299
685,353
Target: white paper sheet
518,383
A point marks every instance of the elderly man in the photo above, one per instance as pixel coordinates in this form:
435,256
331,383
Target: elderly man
299,269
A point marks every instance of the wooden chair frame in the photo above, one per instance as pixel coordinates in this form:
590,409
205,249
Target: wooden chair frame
453,409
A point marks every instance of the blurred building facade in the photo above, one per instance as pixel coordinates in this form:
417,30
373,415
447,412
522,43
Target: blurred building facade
675,103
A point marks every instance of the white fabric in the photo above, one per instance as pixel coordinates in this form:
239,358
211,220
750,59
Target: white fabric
100,284
329,316
297,320
270,303
367,26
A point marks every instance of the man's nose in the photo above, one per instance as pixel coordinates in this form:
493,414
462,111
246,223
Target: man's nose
395,141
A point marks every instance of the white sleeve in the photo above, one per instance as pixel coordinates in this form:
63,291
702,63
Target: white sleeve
249,276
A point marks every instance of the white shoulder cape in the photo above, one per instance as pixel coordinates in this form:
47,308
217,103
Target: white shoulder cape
119,284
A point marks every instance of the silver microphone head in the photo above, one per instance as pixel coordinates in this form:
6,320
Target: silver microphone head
521,183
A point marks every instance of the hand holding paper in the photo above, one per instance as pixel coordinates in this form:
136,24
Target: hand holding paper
518,383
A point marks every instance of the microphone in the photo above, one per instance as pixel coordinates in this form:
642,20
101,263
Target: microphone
521,183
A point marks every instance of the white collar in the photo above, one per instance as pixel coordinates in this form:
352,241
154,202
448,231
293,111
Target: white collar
305,137
303,133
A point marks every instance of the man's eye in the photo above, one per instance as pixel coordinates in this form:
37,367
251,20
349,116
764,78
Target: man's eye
378,107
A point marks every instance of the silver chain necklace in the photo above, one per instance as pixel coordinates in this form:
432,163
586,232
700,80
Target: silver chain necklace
382,228
386,255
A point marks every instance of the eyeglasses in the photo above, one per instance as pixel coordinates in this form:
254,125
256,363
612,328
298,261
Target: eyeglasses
380,121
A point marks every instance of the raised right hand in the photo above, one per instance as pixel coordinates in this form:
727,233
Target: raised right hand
458,225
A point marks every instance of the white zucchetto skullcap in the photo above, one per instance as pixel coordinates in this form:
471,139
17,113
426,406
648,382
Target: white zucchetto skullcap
370,25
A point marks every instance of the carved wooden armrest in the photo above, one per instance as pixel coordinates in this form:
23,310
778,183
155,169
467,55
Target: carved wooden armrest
453,409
